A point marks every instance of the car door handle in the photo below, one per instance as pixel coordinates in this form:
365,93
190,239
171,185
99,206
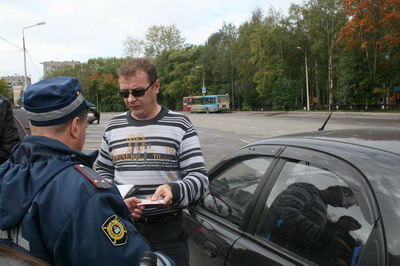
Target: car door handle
210,249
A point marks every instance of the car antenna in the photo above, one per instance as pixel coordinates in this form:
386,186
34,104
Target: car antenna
326,121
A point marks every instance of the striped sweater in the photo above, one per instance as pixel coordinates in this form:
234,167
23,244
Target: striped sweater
165,149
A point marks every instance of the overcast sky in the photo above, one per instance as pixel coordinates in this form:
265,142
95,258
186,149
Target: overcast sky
82,29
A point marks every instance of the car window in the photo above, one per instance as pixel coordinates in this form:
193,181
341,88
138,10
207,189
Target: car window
312,212
230,192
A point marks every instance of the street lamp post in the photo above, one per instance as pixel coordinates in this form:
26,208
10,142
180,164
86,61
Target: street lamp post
233,98
23,43
204,84
307,90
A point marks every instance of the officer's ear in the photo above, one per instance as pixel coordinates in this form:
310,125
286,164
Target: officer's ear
74,127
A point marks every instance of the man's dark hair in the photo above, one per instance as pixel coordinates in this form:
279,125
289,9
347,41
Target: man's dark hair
144,64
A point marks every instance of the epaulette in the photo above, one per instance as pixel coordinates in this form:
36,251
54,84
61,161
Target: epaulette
93,177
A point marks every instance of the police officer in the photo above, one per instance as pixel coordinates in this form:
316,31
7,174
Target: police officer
53,206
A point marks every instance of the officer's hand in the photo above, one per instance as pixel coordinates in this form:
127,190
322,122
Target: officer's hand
164,192
136,211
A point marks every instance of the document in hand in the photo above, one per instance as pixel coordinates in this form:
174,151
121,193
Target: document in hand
150,202
128,191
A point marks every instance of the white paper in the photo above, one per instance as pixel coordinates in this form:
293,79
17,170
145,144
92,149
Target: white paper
124,189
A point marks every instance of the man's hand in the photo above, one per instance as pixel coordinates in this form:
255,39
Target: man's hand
136,211
164,192
348,223
340,244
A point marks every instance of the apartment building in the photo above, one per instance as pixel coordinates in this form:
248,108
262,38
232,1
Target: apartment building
51,66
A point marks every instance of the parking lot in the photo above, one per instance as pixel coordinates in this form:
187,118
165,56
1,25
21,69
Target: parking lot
221,133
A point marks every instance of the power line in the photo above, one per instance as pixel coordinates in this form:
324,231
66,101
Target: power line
10,43
11,52
20,50
33,62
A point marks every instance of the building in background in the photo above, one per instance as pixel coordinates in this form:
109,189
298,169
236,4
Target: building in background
51,66
16,83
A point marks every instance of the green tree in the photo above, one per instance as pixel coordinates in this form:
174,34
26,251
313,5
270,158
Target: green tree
247,97
268,53
179,75
162,38
284,94
98,77
133,47
355,79
218,61
103,89
323,20
5,89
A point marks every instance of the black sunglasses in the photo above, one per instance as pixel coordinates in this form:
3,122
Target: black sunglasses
136,92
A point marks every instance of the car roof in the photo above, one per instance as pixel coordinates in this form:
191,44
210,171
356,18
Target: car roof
374,151
21,122
384,139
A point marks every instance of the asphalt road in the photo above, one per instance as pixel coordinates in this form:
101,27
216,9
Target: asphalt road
222,133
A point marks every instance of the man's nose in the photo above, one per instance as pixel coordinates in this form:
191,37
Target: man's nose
131,97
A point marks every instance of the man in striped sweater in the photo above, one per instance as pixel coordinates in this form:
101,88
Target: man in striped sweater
158,151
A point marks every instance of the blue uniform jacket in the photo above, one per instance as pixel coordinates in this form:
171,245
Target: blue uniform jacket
53,206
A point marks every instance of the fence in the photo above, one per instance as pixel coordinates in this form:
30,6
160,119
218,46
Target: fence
366,108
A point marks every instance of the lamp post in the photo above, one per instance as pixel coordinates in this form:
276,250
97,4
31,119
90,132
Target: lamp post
307,90
233,98
23,43
204,84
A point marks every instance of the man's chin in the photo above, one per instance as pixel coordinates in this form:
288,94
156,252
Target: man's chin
136,113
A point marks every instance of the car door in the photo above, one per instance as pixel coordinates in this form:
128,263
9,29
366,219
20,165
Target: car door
216,222
292,224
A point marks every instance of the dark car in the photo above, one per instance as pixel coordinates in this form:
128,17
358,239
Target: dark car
320,198
93,115
21,122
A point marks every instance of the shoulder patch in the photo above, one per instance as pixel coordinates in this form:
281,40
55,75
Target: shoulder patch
115,231
93,177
